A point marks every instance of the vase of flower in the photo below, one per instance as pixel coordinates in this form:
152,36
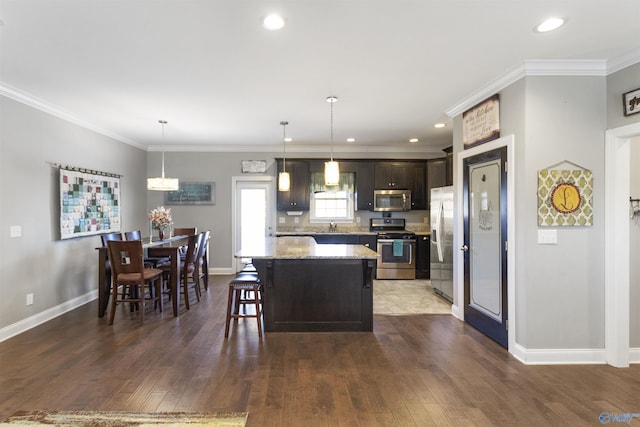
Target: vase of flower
160,218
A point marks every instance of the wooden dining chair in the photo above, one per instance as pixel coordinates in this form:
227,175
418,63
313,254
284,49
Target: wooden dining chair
185,231
202,267
149,261
129,272
187,269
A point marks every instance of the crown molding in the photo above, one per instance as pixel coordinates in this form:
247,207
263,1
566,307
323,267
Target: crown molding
543,67
623,61
276,148
39,104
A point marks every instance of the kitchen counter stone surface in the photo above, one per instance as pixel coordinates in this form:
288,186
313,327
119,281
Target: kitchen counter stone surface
303,247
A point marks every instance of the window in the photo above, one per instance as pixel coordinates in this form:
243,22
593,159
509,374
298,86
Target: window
333,203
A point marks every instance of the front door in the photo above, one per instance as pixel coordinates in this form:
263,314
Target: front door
485,243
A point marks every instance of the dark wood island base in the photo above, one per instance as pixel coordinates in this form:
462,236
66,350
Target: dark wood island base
314,288
317,295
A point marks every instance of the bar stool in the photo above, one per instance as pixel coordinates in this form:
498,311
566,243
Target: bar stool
243,282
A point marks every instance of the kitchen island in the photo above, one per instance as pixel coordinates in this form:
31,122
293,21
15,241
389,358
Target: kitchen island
309,287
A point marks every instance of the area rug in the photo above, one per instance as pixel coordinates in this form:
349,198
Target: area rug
125,419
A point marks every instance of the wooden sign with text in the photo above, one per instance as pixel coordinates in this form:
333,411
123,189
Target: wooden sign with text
481,123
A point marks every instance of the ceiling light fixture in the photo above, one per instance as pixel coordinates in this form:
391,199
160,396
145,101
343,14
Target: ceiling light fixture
413,140
439,125
331,168
273,22
162,183
351,140
284,180
550,25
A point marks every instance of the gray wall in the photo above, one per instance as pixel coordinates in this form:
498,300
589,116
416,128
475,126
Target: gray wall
54,271
618,83
559,288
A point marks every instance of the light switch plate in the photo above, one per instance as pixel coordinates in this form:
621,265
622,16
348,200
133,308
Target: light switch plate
547,237
15,231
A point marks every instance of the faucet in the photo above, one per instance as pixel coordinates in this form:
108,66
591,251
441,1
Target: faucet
333,226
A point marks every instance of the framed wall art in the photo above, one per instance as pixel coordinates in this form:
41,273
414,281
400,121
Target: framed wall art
89,202
565,196
192,193
481,123
631,101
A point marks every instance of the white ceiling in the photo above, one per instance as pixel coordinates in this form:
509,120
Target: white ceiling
224,82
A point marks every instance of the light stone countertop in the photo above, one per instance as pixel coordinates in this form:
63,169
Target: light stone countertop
303,247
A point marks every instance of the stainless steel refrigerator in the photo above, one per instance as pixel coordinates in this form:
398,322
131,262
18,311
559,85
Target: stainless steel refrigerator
441,208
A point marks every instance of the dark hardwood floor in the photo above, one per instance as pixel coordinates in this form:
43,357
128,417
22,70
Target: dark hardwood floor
416,370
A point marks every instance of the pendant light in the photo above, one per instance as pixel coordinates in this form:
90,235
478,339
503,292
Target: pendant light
331,168
162,183
284,180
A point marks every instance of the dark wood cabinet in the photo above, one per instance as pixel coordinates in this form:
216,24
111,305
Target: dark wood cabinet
392,175
423,253
364,186
297,198
342,239
439,172
449,171
368,240
419,186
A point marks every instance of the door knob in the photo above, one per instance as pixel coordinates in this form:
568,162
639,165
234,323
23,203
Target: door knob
464,248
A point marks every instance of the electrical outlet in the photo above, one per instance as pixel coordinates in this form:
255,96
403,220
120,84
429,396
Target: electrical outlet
296,220
358,219
281,220
29,299
425,220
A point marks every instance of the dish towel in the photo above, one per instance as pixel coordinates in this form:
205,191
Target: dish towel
397,247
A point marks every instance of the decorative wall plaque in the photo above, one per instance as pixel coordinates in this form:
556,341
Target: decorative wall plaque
481,123
254,166
565,197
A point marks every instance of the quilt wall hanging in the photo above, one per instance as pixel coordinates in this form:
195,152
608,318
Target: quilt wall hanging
565,196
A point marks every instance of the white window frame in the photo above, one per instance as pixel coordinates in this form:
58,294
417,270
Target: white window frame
325,220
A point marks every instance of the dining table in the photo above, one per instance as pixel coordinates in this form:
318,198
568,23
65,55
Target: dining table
153,247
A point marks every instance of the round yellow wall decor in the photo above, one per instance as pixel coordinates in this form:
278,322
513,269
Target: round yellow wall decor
565,198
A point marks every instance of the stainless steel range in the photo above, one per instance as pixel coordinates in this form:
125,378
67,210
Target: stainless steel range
396,249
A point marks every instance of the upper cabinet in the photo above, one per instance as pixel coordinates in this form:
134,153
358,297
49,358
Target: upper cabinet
392,175
405,175
439,172
297,198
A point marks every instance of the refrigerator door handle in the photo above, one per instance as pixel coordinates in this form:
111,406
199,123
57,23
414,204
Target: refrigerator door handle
438,231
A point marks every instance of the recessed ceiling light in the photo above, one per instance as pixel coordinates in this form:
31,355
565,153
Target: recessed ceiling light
273,22
550,25
439,125
351,140
413,140
287,139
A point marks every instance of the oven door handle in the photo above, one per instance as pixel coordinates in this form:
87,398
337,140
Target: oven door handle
392,240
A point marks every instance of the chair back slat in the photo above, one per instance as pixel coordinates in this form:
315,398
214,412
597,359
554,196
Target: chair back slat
133,235
109,237
189,231
126,257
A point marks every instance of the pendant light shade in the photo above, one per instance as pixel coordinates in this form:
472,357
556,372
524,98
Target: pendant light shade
331,168
161,183
284,180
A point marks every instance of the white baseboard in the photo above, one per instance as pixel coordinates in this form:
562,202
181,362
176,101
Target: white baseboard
44,316
221,271
560,356
634,355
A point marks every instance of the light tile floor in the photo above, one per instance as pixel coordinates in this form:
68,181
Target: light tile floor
403,297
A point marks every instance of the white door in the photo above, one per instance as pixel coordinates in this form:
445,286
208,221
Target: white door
254,207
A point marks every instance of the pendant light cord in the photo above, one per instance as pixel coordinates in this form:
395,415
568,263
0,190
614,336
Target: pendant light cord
332,130
284,145
162,122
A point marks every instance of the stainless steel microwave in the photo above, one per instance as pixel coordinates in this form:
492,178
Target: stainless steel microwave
391,200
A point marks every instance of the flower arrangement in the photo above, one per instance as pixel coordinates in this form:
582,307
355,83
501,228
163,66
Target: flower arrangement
160,217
